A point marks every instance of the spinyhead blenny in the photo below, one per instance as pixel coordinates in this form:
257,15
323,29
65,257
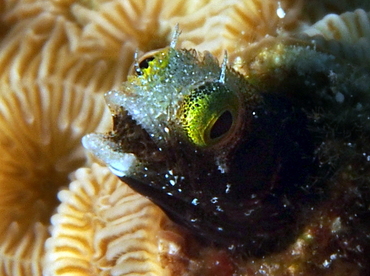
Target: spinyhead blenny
242,160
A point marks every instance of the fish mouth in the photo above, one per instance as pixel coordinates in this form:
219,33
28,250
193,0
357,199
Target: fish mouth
131,137
126,148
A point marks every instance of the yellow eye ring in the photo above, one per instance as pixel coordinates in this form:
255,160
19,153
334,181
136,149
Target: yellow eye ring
210,114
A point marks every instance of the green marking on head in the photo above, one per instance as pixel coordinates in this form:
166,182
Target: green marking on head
209,114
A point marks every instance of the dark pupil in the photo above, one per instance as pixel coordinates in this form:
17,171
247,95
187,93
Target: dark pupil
222,125
143,65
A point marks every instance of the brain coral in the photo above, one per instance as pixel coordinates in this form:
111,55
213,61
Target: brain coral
57,59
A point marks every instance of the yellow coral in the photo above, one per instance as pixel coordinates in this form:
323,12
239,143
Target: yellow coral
102,227
57,58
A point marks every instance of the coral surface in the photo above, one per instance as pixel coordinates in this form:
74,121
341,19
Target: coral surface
57,59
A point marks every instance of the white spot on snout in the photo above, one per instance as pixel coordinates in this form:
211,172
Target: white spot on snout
280,11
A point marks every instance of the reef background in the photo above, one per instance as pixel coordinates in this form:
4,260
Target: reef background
57,59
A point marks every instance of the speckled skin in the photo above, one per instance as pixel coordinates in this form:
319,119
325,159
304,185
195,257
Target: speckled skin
300,144
250,191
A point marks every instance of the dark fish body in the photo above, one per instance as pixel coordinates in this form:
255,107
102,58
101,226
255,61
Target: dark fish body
244,161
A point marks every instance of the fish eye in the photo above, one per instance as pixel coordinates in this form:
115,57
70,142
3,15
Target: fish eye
142,63
210,114
222,125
